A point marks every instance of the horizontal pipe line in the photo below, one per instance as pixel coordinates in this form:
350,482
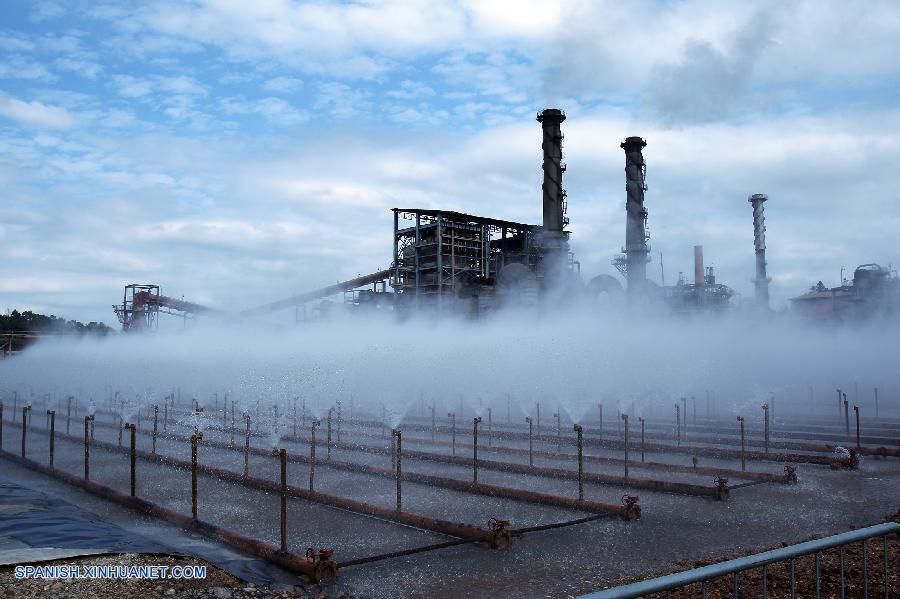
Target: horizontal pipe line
456,484
366,509
289,561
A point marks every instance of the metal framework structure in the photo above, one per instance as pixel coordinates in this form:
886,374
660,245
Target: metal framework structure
139,309
142,304
446,257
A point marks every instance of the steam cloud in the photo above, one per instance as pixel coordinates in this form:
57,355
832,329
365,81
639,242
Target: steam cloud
571,360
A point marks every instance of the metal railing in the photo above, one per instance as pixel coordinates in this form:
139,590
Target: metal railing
704,575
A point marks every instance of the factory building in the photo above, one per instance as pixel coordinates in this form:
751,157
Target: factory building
874,291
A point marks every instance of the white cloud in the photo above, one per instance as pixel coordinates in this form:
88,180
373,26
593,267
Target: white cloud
283,85
411,90
84,68
17,66
274,110
35,113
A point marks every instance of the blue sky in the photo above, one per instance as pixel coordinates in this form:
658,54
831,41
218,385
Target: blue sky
239,152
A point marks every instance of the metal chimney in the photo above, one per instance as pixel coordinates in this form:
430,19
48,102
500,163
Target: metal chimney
636,248
761,282
554,194
699,279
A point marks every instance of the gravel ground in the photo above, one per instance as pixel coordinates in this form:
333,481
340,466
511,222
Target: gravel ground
217,584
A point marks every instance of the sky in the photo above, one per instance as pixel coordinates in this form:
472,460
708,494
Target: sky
236,152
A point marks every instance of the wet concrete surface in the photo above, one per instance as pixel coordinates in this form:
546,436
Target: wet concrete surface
559,562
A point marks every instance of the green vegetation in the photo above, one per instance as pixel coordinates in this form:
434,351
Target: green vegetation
29,321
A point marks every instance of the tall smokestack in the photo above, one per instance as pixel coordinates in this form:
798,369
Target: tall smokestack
554,195
761,283
699,278
636,248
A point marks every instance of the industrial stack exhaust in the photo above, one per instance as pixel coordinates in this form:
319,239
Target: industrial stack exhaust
637,251
761,282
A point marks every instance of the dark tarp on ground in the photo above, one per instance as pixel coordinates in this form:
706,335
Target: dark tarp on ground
37,527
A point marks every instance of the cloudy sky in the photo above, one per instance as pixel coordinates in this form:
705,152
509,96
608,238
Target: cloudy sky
238,152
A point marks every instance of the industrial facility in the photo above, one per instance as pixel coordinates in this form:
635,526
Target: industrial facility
873,291
449,263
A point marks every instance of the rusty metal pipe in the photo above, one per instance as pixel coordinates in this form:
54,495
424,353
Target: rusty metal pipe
25,411
625,418
398,468
339,420
530,441
856,411
247,445
475,422
458,530
52,415
847,415
765,408
580,433
328,444
677,423
600,431
558,432
452,417
433,425
743,451
282,455
463,531
155,427
68,413
291,562
133,430
87,447
490,430
195,438
312,455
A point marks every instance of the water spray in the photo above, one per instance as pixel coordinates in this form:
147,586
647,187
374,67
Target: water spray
641,419
490,430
